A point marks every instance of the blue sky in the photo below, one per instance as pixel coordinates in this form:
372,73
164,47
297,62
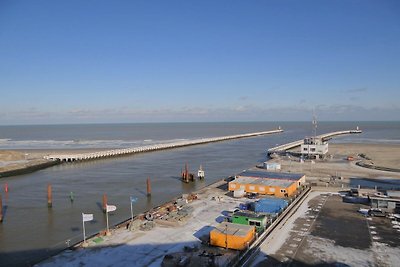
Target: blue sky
162,61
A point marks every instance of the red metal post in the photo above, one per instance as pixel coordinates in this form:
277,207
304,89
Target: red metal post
49,196
148,187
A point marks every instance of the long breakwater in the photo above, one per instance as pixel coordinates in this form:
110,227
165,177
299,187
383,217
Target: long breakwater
284,147
148,148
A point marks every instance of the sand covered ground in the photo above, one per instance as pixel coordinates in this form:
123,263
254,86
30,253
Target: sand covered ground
336,163
384,155
20,161
17,160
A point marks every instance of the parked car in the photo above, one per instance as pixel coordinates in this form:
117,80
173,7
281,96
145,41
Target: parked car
376,213
252,195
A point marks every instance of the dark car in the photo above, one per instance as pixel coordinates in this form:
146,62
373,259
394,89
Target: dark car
252,195
376,213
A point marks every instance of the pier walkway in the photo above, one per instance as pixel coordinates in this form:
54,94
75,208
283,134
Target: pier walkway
325,137
148,148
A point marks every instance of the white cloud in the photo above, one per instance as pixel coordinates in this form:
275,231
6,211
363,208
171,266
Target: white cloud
200,113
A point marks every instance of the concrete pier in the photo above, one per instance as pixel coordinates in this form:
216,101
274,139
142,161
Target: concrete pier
284,147
125,151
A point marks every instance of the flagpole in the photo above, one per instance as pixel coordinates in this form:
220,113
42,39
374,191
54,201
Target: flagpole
131,212
84,232
108,231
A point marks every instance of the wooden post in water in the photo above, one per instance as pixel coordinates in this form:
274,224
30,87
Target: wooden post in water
104,203
1,209
148,187
49,196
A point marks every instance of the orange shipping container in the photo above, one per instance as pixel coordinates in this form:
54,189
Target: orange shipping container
233,236
275,187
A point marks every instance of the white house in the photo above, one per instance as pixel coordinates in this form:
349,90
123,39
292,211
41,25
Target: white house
314,147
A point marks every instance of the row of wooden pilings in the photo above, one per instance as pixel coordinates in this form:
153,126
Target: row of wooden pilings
50,197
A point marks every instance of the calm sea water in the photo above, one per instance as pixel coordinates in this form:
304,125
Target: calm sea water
31,231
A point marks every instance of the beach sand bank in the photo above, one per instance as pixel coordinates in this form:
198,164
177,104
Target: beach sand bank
16,162
336,164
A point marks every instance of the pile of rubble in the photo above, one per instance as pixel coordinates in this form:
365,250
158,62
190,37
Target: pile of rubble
171,214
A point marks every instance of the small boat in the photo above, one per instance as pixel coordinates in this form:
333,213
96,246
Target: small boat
200,173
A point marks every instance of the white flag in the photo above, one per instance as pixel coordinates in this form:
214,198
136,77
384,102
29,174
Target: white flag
111,208
87,217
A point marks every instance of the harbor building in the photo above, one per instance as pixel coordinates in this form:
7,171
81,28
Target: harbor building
314,147
233,236
272,166
267,183
389,202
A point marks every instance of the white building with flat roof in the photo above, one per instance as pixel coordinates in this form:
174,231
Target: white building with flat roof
314,147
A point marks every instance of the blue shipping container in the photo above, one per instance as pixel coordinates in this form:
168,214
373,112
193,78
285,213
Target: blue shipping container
269,205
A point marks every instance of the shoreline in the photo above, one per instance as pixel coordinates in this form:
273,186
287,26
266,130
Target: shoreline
381,157
23,161
28,169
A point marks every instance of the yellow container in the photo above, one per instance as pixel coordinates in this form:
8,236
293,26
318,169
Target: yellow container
232,236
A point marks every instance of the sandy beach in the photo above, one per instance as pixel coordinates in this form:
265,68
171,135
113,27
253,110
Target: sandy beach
385,155
15,162
337,164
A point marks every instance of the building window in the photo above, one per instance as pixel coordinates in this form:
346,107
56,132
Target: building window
256,223
251,187
261,188
283,191
271,189
305,149
233,185
312,149
242,187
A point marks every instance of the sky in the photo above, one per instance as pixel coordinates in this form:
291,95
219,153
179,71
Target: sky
189,61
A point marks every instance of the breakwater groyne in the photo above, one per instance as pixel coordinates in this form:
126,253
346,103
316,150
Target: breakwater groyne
324,137
148,148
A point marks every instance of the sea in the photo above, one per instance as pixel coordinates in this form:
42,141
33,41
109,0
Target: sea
32,232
